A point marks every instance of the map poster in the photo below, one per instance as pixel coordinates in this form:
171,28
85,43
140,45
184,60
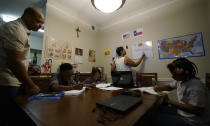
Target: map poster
184,46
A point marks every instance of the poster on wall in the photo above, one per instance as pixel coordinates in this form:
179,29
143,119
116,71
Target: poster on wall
137,32
78,51
92,56
58,49
126,36
78,58
142,47
107,53
190,45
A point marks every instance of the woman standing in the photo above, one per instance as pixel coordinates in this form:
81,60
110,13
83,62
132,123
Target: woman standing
122,63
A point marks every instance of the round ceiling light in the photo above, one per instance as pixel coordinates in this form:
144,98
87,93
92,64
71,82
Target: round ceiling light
108,6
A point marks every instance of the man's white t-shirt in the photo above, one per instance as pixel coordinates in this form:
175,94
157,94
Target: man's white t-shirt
14,36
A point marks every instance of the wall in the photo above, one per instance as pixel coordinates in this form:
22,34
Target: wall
36,42
61,25
209,12
176,19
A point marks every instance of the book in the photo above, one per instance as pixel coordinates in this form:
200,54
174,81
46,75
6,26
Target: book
149,90
47,96
51,94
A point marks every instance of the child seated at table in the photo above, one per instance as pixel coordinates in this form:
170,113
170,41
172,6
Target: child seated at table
102,77
94,78
63,80
192,108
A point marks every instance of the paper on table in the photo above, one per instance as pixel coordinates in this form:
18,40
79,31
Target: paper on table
74,92
149,90
111,88
103,85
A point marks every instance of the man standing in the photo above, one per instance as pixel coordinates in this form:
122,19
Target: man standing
14,55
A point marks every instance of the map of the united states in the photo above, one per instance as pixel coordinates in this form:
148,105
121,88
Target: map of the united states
177,47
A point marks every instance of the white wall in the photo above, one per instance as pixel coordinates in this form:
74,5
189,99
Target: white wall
208,11
61,25
36,42
177,19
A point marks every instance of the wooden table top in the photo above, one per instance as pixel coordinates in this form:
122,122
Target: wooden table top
78,110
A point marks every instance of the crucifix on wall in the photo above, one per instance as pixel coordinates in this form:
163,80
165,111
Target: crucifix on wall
78,30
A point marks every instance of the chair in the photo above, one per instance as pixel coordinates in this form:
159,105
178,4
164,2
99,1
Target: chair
82,76
101,69
146,79
208,80
42,83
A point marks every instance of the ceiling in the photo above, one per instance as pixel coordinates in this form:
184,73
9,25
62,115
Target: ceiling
84,10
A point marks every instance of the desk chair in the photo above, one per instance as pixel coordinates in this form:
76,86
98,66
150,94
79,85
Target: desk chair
146,79
82,76
208,80
42,83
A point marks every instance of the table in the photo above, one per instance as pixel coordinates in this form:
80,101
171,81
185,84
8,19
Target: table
78,110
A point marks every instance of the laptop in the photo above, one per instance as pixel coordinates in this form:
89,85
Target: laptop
122,79
120,103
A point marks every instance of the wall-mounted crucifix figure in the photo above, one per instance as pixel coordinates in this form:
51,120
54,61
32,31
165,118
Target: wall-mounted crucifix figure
78,30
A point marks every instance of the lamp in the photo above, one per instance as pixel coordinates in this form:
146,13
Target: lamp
108,6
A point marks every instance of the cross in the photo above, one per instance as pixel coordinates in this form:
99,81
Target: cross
78,30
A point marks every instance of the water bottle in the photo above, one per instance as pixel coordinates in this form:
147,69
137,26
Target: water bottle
138,84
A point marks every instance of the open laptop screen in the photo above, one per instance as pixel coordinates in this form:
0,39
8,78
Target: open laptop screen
122,79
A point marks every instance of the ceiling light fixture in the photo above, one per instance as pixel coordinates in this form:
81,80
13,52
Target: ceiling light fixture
108,6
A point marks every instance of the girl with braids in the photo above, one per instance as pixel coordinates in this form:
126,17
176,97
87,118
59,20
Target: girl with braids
192,107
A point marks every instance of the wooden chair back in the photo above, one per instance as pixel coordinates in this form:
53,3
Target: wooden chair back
146,79
42,83
82,76
208,80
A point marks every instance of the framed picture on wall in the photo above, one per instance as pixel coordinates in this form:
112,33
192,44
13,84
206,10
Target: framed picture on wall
190,45
78,51
107,53
92,56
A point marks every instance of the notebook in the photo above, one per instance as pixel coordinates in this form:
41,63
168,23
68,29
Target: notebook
120,103
47,96
122,79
